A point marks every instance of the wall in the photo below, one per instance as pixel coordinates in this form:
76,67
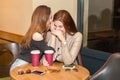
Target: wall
69,5
85,22
15,14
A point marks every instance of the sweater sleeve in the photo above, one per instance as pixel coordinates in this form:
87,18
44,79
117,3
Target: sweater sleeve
70,52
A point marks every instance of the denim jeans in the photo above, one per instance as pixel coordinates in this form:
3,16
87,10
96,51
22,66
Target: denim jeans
18,62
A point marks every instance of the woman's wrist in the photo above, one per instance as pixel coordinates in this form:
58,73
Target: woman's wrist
64,42
52,35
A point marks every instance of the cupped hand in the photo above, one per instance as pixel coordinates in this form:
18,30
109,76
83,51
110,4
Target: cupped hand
45,63
59,34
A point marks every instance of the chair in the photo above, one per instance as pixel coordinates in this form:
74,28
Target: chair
79,59
8,53
110,70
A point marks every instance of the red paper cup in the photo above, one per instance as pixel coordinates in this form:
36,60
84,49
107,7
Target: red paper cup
49,56
35,55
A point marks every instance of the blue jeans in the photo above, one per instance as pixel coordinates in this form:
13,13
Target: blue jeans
18,62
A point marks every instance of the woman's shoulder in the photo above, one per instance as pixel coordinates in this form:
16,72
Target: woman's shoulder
78,34
37,36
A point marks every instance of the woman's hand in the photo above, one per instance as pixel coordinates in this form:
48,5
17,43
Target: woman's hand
45,63
59,34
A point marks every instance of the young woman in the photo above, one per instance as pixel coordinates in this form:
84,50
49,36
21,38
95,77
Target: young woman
64,38
35,36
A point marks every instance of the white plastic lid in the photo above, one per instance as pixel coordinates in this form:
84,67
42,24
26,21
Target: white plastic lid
49,51
35,52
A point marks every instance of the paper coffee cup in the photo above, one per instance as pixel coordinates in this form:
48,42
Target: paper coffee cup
35,55
49,56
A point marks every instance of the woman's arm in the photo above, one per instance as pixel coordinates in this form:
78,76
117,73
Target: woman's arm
69,53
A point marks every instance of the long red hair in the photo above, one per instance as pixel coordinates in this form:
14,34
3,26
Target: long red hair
67,20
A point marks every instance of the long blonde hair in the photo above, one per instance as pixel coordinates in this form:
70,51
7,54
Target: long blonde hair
38,24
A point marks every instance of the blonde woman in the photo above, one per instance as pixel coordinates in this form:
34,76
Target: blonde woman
35,36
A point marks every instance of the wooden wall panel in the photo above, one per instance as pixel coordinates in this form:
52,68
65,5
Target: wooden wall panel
10,37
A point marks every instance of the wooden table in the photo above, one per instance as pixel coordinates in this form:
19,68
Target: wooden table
81,74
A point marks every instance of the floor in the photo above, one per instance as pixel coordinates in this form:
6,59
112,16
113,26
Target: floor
6,78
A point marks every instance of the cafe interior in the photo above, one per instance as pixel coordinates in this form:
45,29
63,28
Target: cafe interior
97,20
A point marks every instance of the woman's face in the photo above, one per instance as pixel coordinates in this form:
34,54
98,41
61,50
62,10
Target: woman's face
59,26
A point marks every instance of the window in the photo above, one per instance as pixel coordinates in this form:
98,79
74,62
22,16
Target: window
98,24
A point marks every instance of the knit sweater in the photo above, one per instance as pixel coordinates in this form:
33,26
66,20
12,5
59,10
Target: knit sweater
67,53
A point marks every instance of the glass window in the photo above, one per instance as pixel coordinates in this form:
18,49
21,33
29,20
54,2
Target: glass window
99,23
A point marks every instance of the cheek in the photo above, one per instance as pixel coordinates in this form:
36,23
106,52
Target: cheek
49,21
48,25
64,31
